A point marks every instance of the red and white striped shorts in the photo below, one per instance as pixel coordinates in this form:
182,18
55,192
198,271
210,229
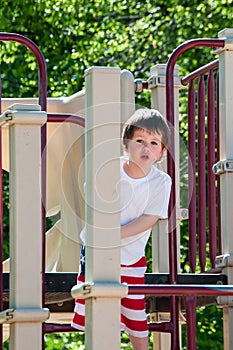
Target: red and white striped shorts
133,314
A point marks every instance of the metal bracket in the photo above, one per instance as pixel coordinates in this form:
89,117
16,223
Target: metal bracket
225,260
24,315
160,80
99,290
6,316
224,301
138,85
182,214
154,81
228,46
23,114
223,166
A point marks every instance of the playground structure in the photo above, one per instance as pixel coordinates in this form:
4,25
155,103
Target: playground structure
105,109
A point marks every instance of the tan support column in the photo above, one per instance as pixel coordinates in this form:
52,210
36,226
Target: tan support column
26,313
127,95
103,207
226,156
160,258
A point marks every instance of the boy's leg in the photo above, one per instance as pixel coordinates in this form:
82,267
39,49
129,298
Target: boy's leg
133,313
78,321
139,343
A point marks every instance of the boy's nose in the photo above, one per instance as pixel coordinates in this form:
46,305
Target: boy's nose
146,146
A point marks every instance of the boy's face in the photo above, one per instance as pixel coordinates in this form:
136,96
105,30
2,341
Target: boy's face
145,147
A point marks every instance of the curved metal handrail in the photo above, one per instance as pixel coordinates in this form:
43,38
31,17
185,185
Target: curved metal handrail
40,60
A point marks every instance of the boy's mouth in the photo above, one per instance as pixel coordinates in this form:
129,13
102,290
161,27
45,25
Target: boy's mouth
145,156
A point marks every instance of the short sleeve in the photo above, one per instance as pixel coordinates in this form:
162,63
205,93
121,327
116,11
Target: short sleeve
159,196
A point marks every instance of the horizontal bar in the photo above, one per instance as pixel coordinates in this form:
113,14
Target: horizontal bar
165,327
62,282
65,118
200,71
180,290
58,328
187,278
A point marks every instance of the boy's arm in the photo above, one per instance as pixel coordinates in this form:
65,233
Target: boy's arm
143,223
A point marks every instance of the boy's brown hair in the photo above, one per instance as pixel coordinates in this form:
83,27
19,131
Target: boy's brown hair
147,119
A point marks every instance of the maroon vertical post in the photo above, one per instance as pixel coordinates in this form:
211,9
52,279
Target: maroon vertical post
1,219
190,304
201,174
219,231
211,176
192,176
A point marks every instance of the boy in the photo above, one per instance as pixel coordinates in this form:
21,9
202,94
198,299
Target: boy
145,193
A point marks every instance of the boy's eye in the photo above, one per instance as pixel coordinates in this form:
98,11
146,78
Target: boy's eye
154,143
139,141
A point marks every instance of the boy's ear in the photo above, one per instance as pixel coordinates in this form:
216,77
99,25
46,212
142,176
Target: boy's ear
164,149
124,146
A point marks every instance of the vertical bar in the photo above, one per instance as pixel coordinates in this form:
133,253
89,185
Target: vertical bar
201,174
102,141
43,219
219,230
190,305
43,102
160,262
226,152
127,95
174,310
211,176
192,176
1,222
25,225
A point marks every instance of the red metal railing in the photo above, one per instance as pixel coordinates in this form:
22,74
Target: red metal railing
206,155
192,192
40,61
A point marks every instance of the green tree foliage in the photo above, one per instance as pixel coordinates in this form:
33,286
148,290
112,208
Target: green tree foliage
76,34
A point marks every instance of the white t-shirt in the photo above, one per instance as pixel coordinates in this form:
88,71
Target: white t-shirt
148,195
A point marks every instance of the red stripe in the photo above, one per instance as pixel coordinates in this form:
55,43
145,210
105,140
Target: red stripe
81,278
133,304
139,326
139,263
79,320
132,280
